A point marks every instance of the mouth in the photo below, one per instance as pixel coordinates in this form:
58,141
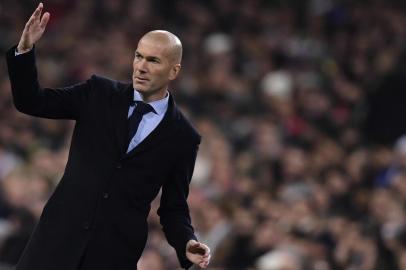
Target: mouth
140,79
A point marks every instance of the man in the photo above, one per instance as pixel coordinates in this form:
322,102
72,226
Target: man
129,141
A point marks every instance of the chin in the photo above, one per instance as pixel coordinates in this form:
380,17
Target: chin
139,88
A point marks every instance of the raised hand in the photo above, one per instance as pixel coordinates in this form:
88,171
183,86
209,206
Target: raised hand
33,29
198,253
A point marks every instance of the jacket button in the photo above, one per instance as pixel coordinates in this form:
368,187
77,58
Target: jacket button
86,225
119,166
106,195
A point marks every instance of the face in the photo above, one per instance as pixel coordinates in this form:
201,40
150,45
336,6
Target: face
153,69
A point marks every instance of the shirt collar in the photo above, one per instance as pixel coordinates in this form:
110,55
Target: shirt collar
160,106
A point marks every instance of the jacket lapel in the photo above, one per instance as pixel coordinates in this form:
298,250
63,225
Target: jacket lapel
120,105
165,128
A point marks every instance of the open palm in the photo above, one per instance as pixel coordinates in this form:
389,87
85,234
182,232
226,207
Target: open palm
33,29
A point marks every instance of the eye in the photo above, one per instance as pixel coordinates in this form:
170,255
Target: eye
153,60
138,56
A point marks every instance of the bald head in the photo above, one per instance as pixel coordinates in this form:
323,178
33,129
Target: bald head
169,41
156,63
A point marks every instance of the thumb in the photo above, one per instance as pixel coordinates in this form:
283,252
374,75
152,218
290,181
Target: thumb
192,242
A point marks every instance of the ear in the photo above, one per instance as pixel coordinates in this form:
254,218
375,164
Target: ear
174,72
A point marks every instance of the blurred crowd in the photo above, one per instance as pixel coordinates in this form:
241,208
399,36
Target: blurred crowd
302,163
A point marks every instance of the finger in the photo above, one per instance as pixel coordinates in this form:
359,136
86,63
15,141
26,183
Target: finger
206,259
29,23
206,249
38,10
205,262
45,19
34,15
207,254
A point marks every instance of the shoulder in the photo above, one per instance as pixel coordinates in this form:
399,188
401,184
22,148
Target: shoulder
101,82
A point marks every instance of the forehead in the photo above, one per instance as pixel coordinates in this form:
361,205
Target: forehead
148,47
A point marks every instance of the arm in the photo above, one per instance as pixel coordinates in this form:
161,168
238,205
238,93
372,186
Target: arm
28,96
174,213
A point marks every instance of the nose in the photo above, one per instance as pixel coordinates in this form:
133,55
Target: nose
140,65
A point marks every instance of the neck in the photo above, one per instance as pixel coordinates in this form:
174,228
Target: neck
150,97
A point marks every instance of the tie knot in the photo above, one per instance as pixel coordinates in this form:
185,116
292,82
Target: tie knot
143,108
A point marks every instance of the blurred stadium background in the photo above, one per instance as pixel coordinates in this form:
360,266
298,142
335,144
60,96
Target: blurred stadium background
301,105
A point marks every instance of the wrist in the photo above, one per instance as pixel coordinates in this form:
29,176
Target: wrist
20,49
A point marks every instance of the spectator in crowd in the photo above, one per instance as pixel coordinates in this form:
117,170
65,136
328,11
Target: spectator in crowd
299,104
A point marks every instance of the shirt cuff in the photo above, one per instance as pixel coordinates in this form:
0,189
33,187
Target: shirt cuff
18,53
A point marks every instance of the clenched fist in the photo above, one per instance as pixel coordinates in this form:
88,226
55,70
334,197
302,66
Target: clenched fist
198,253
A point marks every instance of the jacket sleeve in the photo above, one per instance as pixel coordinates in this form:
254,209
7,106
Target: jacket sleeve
30,98
174,210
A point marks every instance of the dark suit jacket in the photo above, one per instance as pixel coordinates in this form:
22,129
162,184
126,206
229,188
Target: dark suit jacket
98,211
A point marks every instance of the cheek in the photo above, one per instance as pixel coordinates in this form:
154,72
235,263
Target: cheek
160,75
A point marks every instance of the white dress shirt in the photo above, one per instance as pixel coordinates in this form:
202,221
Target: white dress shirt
149,120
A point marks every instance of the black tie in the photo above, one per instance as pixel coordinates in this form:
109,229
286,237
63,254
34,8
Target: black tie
140,109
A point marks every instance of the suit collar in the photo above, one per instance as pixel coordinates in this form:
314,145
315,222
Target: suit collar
166,127
160,106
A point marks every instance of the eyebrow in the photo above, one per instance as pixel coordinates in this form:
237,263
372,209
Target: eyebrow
149,58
